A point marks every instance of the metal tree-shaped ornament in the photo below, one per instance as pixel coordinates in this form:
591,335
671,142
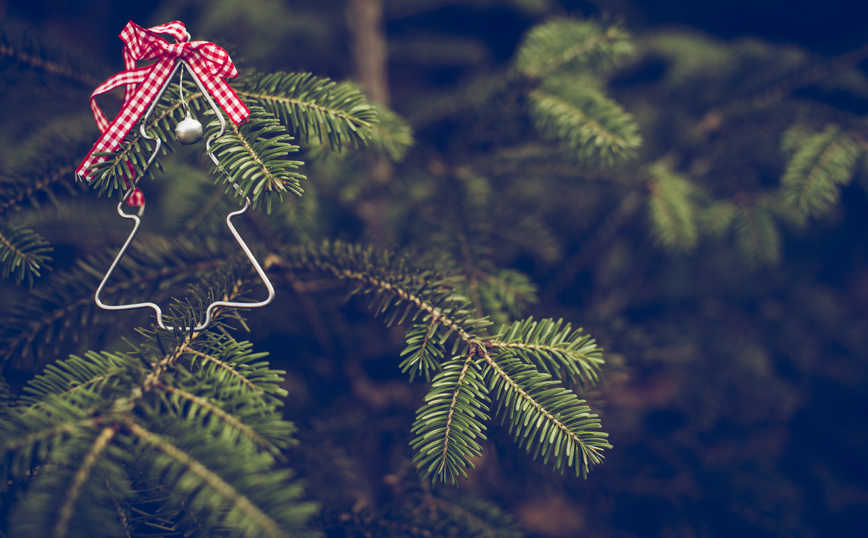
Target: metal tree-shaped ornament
207,64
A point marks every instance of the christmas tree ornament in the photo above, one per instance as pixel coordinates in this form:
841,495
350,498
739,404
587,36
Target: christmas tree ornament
208,65
188,131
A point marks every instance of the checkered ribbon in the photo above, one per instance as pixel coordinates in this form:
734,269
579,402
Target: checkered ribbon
210,63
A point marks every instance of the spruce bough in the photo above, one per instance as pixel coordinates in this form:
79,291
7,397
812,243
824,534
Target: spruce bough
182,431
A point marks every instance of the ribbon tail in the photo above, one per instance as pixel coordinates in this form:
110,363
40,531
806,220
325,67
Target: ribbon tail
124,122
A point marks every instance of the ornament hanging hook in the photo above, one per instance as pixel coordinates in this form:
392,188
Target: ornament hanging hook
209,312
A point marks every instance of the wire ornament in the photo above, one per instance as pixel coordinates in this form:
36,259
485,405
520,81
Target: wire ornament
136,217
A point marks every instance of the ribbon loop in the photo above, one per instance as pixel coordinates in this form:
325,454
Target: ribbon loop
210,64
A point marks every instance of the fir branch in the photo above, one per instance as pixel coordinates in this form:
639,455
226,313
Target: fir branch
217,411
447,426
673,209
189,445
390,281
191,474
821,164
123,167
587,124
23,254
10,445
70,294
424,349
253,156
234,374
544,417
574,44
553,347
429,516
718,217
93,372
72,488
229,360
504,294
29,48
757,235
67,509
310,106
468,516
391,136
14,194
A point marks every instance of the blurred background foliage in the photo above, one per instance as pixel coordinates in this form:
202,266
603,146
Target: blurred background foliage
731,296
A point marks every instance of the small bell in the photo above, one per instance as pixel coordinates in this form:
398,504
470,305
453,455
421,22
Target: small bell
188,131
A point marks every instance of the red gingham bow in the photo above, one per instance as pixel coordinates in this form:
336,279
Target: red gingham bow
210,63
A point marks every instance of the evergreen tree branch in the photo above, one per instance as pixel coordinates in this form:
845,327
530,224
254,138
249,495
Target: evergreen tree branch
424,350
568,43
70,294
553,347
254,515
13,194
34,437
186,448
310,106
123,166
233,373
673,209
757,235
76,374
505,293
216,410
587,124
66,510
23,253
221,355
447,426
253,156
820,163
29,49
391,281
546,418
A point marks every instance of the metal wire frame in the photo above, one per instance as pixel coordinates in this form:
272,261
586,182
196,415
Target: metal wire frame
137,220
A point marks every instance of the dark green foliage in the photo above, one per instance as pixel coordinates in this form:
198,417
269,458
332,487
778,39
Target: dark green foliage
757,235
547,419
21,45
673,209
424,351
554,348
43,321
572,45
254,156
588,125
566,106
391,136
716,256
23,254
197,413
312,107
448,426
820,164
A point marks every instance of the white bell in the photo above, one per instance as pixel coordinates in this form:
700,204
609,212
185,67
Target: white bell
188,131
